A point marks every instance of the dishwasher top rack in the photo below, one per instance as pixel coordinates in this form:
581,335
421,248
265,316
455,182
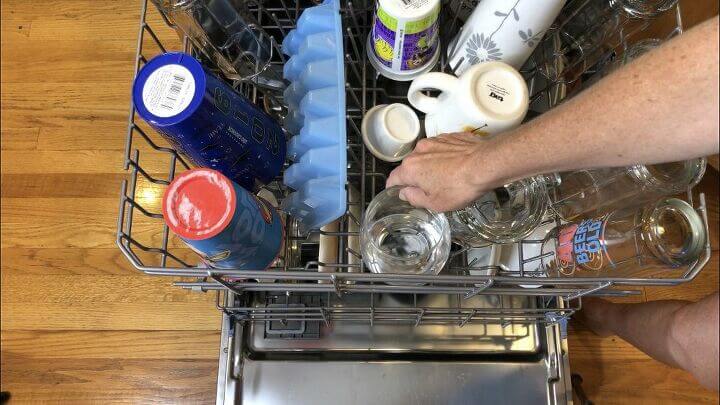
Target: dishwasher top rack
552,76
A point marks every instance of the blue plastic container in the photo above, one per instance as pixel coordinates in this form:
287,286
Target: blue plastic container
207,121
226,225
316,116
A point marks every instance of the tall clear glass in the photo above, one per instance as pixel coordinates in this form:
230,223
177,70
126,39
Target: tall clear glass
590,32
504,215
626,242
586,191
226,33
399,238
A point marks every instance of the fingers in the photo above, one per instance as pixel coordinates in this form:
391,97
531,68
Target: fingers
394,178
454,137
398,177
415,197
423,145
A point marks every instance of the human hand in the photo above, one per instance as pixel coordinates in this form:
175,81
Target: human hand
443,174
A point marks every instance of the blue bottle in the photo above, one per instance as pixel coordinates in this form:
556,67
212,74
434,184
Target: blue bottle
207,121
227,226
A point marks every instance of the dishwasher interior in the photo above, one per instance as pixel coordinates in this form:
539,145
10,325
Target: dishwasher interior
390,361
319,328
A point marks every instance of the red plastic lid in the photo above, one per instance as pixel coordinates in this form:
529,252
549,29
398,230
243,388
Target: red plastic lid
199,204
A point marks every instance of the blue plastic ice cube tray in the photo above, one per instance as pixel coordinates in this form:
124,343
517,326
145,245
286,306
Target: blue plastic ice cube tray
316,117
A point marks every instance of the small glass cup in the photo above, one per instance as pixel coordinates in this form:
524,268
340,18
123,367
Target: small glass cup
399,238
504,215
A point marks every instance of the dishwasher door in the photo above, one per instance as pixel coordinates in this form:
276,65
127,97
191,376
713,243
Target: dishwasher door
393,363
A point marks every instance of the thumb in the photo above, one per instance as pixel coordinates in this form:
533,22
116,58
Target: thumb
415,196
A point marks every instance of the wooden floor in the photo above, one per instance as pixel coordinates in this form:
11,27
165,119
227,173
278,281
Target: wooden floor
78,323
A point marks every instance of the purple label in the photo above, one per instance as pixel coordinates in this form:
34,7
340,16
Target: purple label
383,43
419,48
416,49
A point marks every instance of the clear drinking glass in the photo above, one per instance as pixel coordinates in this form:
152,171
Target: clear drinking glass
626,242
504,215
225,32
591,32
630,52
581,192
399,238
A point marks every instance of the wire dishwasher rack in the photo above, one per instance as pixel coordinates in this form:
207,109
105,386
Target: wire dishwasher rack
298,287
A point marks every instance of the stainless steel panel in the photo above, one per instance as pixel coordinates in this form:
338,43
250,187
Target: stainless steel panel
361,383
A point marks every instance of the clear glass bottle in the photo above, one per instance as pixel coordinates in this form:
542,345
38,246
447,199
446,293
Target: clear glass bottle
399,238
626,242
504,215
226,33
582,192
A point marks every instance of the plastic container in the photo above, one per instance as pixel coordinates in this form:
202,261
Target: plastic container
316,116
404,41
207,121
226,225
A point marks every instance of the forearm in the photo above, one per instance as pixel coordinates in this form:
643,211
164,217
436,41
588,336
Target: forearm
662,107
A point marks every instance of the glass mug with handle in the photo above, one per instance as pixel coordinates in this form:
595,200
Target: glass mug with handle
487,99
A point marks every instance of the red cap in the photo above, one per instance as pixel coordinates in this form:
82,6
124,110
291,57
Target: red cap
199,204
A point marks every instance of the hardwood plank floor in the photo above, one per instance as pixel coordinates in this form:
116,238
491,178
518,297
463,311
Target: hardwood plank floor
78,323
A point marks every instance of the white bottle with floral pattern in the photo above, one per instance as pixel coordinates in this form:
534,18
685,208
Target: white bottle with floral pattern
502,30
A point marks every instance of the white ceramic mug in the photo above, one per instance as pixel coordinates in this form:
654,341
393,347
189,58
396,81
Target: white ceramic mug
489,98
501,30
389,131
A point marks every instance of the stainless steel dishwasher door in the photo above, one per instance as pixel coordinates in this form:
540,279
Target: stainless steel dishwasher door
359,363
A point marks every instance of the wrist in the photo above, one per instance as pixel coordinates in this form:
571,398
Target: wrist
515,155
490,166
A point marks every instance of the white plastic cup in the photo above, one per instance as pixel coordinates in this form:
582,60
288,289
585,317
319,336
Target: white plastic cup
389,131
404,40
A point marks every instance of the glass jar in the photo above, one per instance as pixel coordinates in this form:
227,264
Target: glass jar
626,242
398,238
504,215
581,192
